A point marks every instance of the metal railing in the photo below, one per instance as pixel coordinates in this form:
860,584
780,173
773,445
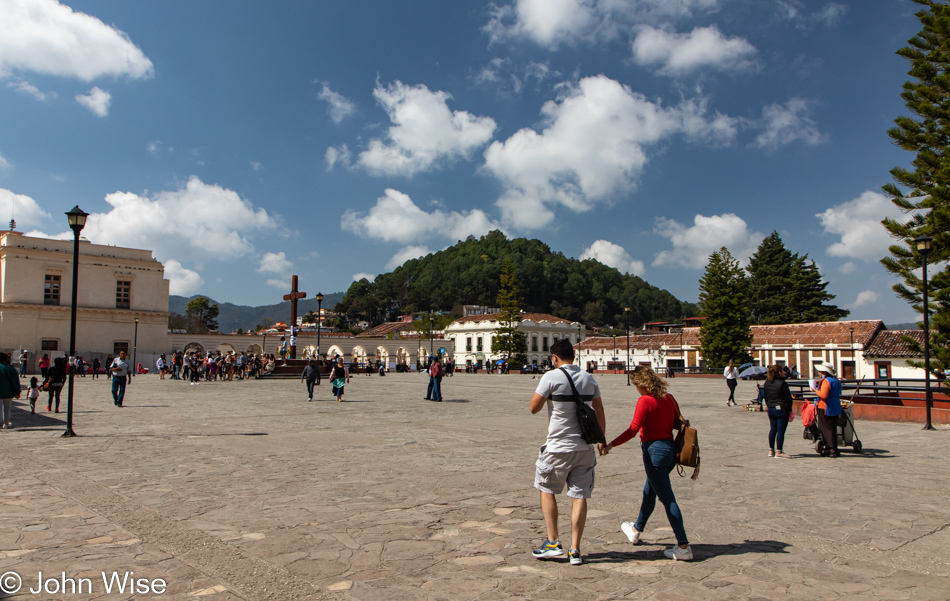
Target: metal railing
887,388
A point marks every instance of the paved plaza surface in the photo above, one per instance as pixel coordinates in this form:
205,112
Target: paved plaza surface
244,490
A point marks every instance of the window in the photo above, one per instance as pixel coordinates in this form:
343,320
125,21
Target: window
468,343
882,369
123,293
51,290
49,345
118,347
544,342
534,343
478,344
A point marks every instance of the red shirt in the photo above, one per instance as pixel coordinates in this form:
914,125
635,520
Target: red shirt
652,418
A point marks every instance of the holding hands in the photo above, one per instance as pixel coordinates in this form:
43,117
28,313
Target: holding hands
603,449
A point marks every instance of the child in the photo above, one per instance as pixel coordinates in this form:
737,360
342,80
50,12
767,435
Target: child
34,393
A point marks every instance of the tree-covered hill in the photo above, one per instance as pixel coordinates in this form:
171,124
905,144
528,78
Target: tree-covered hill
468,273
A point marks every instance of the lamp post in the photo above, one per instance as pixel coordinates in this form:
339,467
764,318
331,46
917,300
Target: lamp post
578,345
431,323
77,221
923,247
135,346
626,324
319,321
682,351
854,361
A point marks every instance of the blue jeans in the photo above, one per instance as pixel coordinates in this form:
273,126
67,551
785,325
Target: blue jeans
659,459
434,391
118,390
778,420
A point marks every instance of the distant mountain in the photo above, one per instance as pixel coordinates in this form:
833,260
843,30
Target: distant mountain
234,316
903,326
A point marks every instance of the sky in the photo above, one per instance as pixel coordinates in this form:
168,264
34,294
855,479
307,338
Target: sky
243,142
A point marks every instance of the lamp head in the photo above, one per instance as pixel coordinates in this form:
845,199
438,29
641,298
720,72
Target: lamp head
77,219
923,244
319,297
136,320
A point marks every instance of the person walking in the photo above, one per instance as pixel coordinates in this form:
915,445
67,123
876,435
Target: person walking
55,379
778,399
828,404
160,367
44,366
434,392
119,369
565,458
655,417
109,361
33,394
23,359
9,390
731,373
96,366
312,376
339,377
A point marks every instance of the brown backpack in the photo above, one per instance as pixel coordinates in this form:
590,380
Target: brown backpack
687,445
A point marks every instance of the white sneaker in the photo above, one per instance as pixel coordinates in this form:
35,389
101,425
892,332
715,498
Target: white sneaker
633,535
679,553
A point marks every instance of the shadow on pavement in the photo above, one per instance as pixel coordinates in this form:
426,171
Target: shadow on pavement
847,453
701,552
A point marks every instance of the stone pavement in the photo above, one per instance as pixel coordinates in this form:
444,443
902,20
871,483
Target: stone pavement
244,490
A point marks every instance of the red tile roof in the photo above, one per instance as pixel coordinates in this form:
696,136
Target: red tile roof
384,329
828,332
889,343
535,317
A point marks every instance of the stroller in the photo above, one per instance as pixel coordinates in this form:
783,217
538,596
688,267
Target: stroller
844,430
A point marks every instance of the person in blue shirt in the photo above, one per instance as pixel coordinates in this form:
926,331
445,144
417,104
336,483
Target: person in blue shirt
828,404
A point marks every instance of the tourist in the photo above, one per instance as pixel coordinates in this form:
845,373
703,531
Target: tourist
339,377
34,393
9,390
109,361
160,367
176,365
96,366
80,367
44,366
23,359
55,378
434,392
778,399
119,369
654,418
731,373
312,376
828,389
565,458
283,349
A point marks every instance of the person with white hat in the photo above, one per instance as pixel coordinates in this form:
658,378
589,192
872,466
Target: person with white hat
828,389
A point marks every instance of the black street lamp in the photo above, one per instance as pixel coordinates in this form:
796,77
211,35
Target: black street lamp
626,324
579,345
431,323
77,221
319,321
135,346
923,247
854,360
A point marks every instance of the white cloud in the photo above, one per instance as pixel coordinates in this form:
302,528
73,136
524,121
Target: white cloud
613,255
405,254
256,165
338,106
858,222
27,88
181,280
4,164
96,100
592,146
509,79
849,267
681,53
337,155
693,245
396,218
865,297
364,276
21,207
275,263
794,10
549,23
44,36
424,132
788,123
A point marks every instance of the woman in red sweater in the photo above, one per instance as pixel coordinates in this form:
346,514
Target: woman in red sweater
655,417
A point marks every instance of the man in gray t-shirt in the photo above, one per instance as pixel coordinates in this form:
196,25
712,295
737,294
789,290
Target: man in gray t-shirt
565,458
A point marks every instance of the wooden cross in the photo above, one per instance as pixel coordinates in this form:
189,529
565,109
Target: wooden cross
293,297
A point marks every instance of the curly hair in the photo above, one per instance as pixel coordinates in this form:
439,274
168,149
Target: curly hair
646,378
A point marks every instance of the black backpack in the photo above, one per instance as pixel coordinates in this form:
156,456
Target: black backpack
586,416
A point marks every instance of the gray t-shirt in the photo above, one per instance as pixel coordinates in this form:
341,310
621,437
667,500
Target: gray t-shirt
123,366
564,433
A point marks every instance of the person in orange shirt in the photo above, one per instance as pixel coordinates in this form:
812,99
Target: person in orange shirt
828,404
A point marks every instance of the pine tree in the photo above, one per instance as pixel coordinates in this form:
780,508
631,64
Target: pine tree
508,341
924,191
810,294
724,302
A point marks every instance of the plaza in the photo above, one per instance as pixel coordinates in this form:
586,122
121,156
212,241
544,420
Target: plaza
244,490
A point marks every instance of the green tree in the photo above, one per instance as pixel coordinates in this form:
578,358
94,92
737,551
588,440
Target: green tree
923,191
203,313
508,341
724,301
787,288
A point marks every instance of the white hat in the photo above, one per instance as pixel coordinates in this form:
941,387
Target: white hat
826,367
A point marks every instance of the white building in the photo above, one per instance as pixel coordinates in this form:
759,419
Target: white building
473,336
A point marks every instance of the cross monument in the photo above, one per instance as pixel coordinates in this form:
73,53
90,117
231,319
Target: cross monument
293,297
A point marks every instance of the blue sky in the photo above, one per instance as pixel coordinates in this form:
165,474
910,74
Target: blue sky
244,141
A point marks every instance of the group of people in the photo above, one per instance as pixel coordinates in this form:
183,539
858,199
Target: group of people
213,367
339,377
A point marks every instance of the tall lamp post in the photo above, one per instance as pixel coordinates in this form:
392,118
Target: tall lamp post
319,321
578,345
135,346
431,323
626,324
923,247
854,360
77,221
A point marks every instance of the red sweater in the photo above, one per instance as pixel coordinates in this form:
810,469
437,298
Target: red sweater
655,418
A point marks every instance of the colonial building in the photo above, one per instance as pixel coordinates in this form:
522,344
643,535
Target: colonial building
887,355
473,336
117,287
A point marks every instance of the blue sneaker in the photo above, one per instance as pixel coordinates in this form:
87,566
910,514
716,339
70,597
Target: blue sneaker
549,549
